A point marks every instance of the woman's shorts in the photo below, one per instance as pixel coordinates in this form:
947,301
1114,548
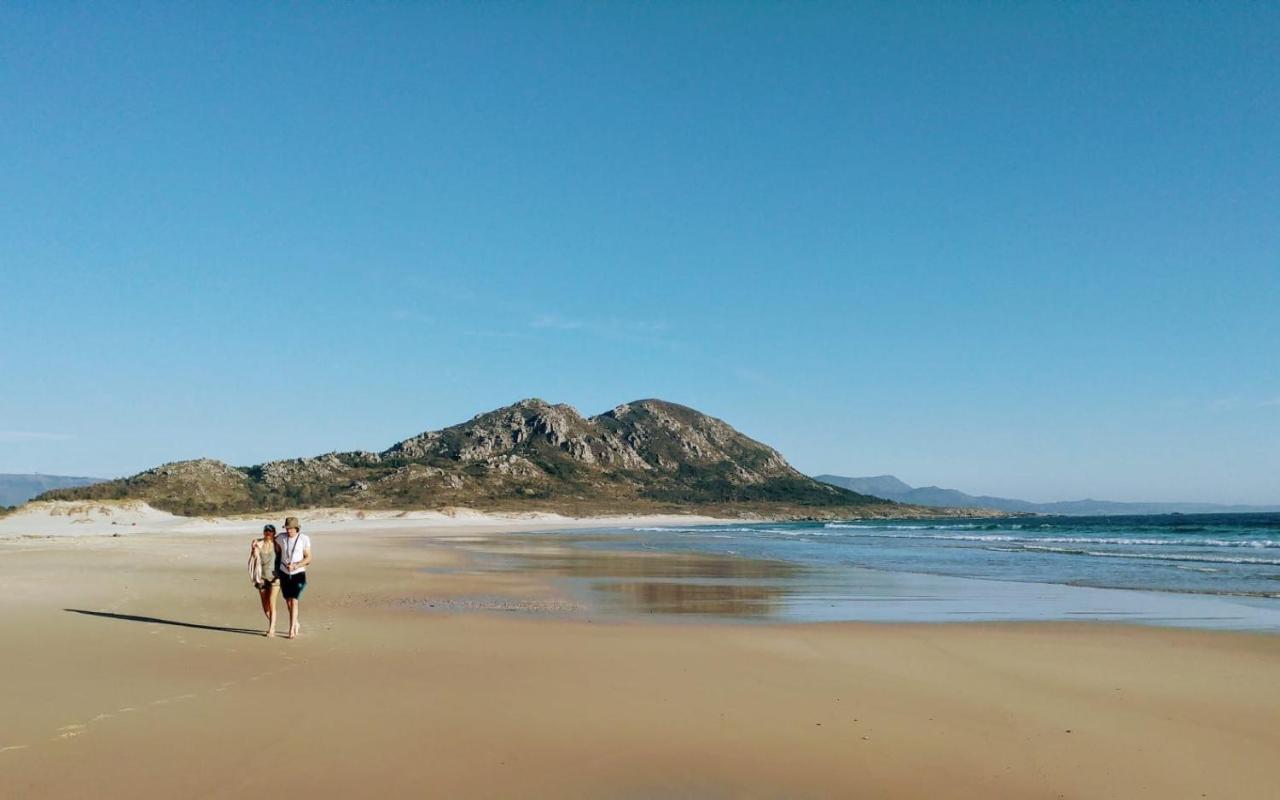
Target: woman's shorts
291,586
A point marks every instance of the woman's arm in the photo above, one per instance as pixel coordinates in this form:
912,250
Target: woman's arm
253,561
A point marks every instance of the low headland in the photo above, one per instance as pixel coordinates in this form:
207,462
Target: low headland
644,457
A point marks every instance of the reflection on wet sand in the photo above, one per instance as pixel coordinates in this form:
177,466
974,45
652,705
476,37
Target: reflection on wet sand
641,582
719,599
624,564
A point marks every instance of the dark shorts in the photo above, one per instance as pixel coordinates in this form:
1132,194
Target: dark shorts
291,586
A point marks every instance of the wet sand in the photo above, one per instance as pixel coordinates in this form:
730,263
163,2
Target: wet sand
627,573
133,667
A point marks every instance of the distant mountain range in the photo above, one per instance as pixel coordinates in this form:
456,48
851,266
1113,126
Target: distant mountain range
890,488
18,489
645,456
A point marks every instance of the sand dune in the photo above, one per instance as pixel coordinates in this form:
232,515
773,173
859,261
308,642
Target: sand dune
109,517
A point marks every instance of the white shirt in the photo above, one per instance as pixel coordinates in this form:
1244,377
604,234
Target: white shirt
292,551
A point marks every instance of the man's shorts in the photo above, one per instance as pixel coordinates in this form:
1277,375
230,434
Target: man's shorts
291,586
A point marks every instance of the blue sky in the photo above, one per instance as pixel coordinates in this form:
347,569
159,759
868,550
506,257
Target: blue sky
1029,250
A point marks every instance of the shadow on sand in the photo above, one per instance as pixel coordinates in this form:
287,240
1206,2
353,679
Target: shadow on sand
158,621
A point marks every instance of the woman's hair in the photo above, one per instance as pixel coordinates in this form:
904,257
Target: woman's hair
268,528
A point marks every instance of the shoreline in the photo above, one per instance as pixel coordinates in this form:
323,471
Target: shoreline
951,599
622,582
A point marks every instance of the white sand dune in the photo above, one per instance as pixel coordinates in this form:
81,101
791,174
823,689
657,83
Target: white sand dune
105,518
61,518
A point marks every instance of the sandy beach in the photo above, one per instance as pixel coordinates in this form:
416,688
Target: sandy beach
135,666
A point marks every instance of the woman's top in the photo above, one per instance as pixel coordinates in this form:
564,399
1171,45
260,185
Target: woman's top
262,562
292,551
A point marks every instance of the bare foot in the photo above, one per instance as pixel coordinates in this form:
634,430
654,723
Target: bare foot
271,634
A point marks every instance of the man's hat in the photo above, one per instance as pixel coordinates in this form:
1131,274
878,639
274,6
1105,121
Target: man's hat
292,522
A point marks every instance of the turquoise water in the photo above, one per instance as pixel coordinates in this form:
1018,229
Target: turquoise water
1198,570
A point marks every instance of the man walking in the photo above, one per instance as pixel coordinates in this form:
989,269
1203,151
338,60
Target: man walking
294,550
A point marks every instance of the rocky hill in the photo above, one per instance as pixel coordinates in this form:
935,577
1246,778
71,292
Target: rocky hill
645,456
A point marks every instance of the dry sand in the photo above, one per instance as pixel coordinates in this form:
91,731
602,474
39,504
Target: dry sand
179,696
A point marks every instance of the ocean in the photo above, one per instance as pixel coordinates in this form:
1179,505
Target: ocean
1204,570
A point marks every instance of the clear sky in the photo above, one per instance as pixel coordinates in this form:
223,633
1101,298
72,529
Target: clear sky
1020,249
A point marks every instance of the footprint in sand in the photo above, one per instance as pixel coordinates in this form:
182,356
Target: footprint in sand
68,732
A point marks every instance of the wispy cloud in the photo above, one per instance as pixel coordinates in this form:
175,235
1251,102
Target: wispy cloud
1237,403
557,322
405,315
1225,403
13,437
632,330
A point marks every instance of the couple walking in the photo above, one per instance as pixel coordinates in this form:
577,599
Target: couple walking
278,563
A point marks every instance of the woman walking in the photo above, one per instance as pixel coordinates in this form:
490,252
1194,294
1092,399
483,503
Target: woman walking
293,549
262,571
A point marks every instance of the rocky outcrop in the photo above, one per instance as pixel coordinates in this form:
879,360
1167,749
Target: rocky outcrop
281,475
